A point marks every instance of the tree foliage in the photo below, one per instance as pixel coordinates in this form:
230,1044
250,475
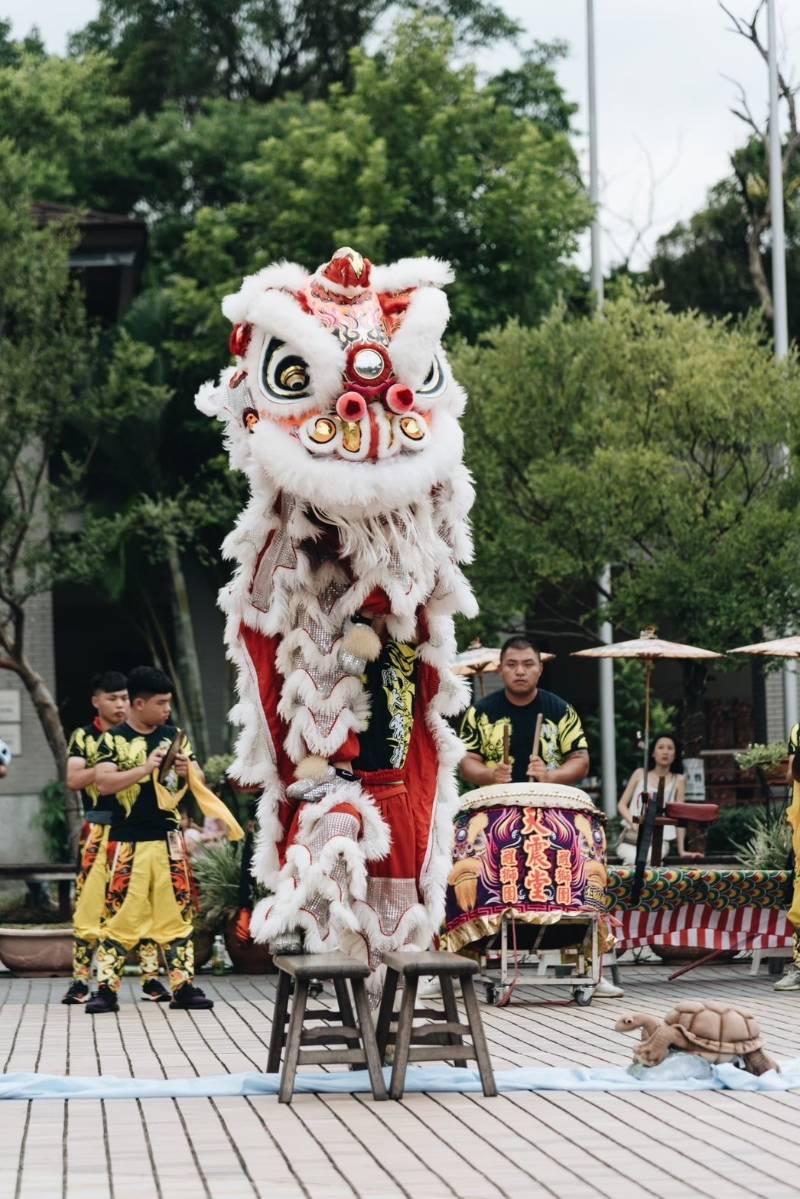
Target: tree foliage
719,261
416,156
189,51
246,132
65,120
647,439
57,400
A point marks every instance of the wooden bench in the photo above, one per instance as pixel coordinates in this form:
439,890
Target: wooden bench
62,873
355,1030
442,1038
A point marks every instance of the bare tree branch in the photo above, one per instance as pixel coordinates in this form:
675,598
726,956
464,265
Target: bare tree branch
758,216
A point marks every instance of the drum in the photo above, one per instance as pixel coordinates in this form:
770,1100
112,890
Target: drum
535,849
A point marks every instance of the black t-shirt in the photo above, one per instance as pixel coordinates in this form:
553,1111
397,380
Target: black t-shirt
85,743
562,733
136,815
391,683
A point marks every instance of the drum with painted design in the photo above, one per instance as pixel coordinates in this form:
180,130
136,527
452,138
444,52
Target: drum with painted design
537,850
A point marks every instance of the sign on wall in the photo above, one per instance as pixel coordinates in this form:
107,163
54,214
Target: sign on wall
12,735
10,712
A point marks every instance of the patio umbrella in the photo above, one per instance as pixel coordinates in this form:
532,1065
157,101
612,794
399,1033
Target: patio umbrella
783,647
482,659
647,647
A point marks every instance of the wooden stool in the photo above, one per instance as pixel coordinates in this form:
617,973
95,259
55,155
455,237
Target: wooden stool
442,1039
358,1035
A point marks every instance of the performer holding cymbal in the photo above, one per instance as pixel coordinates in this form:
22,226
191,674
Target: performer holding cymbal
150,884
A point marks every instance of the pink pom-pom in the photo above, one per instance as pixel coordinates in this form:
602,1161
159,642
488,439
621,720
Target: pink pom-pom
352,407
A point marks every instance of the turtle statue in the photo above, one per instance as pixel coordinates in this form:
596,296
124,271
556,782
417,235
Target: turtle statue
715,1031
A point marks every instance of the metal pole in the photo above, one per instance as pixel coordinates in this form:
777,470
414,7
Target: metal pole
605,666
780,317
608,743
594,184
781,327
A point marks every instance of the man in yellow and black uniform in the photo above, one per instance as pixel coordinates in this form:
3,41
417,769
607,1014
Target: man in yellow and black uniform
563,753
791,979
110,701
150,881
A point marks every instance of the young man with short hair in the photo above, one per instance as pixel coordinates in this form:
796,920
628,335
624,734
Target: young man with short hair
110,702
791,978
150,884
563,754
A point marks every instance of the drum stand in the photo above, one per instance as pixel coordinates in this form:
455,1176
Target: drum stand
582,978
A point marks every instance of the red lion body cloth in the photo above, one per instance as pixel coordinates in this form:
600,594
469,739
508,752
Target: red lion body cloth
342,411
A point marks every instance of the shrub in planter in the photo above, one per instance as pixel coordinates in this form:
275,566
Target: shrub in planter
44,951
730,829
218,872
764,757
768,845
34,940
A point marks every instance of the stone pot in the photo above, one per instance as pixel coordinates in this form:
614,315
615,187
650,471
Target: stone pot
250,958
40,951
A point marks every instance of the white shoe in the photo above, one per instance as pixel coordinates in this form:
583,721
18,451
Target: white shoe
789,982
428,986
605,989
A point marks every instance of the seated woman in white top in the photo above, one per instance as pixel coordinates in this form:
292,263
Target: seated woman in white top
664,763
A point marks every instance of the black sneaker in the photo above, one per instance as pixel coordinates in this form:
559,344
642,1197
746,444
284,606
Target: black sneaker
189,998
103,1000
156,991
77,992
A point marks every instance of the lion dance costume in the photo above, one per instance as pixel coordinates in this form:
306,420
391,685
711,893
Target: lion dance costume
343,413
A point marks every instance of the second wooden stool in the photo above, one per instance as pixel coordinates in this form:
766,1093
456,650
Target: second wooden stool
357,1033
442,1039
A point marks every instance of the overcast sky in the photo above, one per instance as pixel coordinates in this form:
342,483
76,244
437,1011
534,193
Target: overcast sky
664,105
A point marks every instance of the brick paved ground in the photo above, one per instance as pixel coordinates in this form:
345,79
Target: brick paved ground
427,1146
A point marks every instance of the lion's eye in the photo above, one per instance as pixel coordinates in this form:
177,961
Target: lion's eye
434,380
284,376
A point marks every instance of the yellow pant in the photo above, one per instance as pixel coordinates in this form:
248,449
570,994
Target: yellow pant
90,906
146,890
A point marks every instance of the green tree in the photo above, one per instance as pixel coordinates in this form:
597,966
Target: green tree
650,440
55,405
65,120
719,261
193,50
406,152
417,157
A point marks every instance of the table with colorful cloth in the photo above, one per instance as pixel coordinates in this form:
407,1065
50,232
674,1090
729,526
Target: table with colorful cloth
706,909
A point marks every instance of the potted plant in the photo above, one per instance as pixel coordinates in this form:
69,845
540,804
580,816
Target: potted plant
768,761
215,770
218,872
34,940
34,936
769,844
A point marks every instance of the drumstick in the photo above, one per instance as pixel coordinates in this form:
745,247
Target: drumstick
506,743
537,736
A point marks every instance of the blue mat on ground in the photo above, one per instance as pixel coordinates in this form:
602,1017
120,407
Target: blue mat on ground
680,1072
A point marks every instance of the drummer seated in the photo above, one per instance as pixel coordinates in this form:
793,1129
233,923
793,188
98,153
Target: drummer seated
562,755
